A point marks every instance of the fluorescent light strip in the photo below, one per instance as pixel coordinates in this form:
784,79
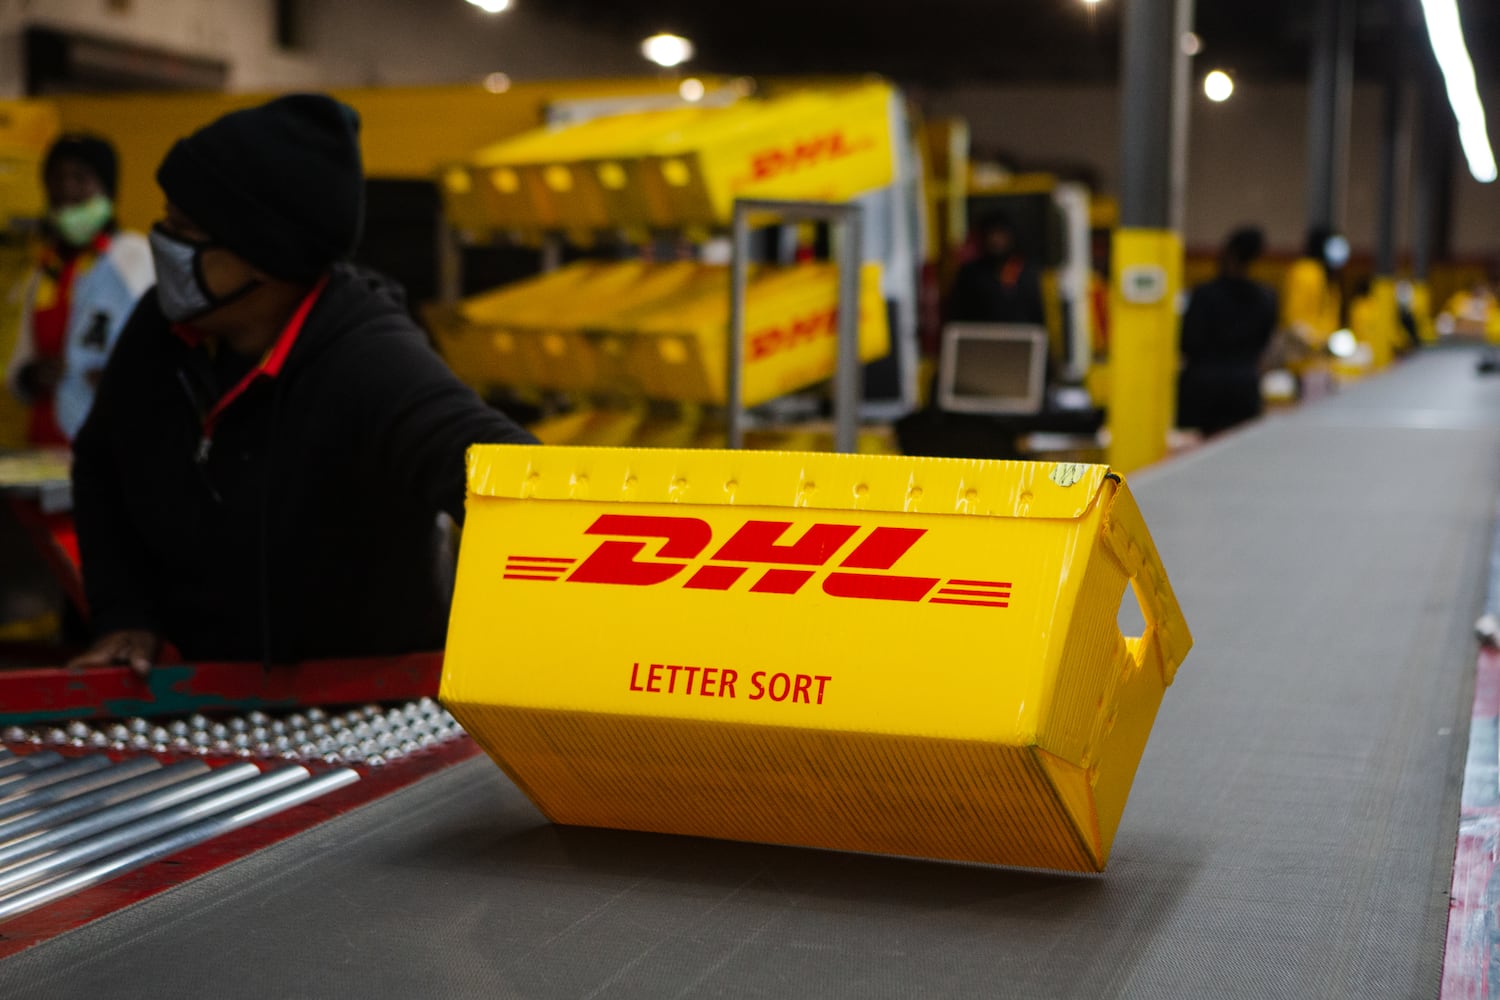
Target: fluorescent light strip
1447,35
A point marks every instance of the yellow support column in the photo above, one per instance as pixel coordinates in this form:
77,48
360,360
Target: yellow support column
1148,260
1143,347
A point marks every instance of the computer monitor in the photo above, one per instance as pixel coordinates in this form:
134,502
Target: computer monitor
996,368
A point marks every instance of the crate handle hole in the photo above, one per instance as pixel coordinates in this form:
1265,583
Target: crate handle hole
1131,618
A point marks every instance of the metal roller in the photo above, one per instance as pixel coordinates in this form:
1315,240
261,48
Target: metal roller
16,765
140,807
125,789
176,841
40,797
74,768
89,839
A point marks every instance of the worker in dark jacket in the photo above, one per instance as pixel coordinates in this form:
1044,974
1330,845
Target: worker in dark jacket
1228,326
999,285
273,439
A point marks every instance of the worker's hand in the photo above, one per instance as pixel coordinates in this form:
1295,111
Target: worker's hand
135,648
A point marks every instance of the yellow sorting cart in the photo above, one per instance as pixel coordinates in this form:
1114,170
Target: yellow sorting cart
870,653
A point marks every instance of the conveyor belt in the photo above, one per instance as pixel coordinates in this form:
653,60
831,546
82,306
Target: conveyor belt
1290,835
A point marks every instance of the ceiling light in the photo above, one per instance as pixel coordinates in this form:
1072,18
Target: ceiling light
1218,86
1192,43
667,50
692,89
1091,3
1447,34
491,6
497,83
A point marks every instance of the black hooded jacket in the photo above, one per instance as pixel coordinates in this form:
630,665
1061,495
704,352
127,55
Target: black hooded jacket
305,526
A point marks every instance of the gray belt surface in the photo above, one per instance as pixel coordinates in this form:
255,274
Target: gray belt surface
1290,834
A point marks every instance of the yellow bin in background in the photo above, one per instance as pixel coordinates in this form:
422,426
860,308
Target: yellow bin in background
870,653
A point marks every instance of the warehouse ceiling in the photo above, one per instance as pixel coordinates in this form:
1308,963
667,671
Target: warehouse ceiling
939,42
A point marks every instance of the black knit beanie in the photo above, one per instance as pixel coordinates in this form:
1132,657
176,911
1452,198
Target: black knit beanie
281,184
90,150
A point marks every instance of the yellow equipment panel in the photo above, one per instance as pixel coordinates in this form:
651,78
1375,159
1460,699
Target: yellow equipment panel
871,653
27,129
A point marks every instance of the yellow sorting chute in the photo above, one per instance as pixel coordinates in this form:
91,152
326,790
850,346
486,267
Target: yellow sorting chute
680,167
658,330
870,653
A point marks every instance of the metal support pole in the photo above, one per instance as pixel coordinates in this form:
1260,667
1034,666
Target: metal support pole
1395,139
848,378
552,253
1431,162
734,376
450,263
1148,253
1153,114
848,224
1330,95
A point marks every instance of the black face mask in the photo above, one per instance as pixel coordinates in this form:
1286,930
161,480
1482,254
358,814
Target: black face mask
180,289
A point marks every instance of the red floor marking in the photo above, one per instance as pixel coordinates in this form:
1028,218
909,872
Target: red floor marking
32,928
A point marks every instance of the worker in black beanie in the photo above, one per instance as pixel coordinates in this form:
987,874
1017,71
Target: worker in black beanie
274,438
281,185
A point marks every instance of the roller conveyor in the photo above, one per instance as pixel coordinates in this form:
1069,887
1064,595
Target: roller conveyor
1291,831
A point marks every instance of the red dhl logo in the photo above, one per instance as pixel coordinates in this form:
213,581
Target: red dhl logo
679,543
804,153
803,330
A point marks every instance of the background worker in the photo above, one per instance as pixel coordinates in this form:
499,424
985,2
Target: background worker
999,285
88,277
1311,297
274,437
1472,312
1225,332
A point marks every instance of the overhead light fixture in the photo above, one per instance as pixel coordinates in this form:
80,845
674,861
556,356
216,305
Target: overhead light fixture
1091,3
1192,43
667,50
491,6
1218,86
692,89
1447,34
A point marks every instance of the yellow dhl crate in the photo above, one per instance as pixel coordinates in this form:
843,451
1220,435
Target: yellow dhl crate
870,653
595,176
582,348
657,330
547,324
683,167
582,176
478,336
513,198
819,145
556,331
464,200
791,336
